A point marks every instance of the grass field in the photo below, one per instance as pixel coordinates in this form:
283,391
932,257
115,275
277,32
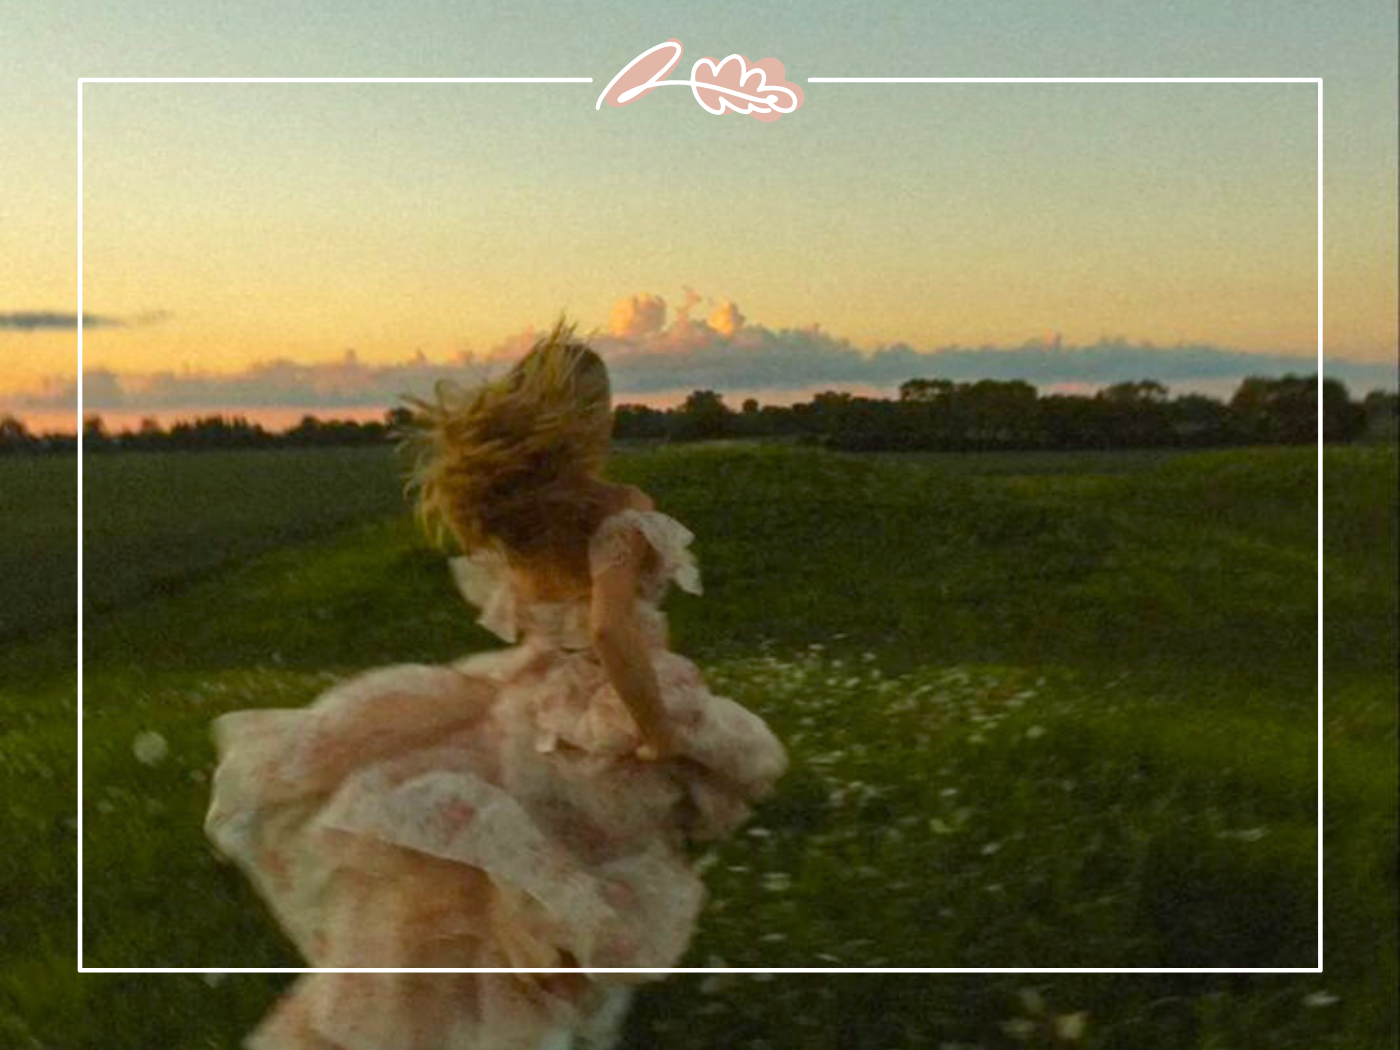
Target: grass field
1043,710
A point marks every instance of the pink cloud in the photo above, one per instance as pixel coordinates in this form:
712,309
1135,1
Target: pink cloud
637,316
726,319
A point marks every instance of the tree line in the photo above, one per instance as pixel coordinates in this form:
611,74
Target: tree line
206,432
939,414
929,414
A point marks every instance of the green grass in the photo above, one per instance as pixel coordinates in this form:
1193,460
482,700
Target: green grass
1040,714
38,542
154,521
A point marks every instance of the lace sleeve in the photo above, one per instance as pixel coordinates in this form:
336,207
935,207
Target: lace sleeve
484,581
624,536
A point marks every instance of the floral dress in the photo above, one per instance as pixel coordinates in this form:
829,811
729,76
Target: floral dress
488,813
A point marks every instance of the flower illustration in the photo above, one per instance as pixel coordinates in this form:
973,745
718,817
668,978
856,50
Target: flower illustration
734,85
731,85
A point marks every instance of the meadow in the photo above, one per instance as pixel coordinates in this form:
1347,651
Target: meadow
1044,710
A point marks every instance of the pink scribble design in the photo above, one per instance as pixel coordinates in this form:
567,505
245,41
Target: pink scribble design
732,85
745,84
642,75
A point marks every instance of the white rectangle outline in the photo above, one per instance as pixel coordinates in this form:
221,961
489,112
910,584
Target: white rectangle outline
702,969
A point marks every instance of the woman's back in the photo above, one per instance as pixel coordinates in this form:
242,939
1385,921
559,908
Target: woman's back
520,807
565,575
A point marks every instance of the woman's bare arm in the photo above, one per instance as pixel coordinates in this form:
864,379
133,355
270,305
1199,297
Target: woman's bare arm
622,647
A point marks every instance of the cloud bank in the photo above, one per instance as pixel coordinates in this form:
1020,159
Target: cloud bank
49,320
649,354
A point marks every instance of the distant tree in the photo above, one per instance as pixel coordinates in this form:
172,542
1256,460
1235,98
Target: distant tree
1141,392
15,436
927,417
1071,421
308,431
212,432
1284,411
862,423
998,414
925,389
1342,418
703,415
1135,413
1197,420
752,420
1269,411
398,420
639,422
148,436
1382,409
95,436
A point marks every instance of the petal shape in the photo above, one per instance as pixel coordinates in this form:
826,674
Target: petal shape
651,66
733,85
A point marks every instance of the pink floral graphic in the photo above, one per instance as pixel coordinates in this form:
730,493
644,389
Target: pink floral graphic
747,86
732,85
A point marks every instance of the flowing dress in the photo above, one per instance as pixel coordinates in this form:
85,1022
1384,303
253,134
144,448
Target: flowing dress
491,812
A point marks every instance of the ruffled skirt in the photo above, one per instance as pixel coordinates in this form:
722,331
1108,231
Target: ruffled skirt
485,814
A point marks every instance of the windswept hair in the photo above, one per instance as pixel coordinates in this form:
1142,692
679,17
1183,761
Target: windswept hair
504,462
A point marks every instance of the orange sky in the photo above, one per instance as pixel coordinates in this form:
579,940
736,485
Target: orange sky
299,220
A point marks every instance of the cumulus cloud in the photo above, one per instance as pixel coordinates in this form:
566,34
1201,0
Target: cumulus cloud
637,316
49,320
726,319
725,352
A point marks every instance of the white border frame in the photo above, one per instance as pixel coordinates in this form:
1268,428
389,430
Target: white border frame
701,969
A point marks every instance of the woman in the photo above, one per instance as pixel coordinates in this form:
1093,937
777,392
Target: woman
525,807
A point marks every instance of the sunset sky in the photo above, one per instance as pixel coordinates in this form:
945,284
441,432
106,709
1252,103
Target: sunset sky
347,229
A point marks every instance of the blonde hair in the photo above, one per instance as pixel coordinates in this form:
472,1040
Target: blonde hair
506,462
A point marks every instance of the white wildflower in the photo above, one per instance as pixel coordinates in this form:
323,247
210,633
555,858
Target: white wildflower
150,748
714,983
1019,1028
1070,1027
1243,834
1314,1000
